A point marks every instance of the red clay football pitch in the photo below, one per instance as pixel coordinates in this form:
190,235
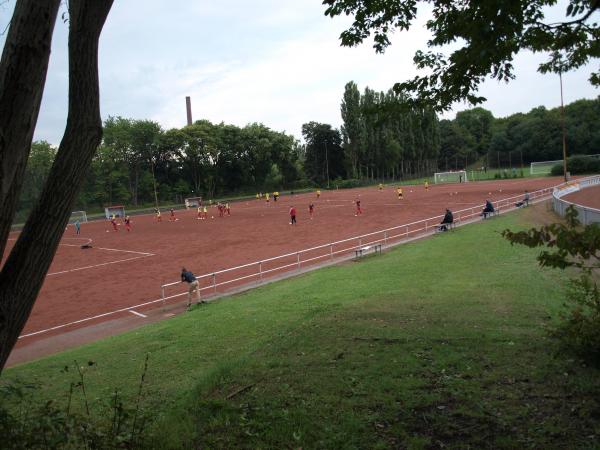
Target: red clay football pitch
123,269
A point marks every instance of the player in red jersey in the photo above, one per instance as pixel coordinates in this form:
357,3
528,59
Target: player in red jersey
113,222
127,221
292,216
311,210
358,210
172,217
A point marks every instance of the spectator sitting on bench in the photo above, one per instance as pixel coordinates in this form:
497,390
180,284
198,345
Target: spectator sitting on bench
447,220
488,209
525,201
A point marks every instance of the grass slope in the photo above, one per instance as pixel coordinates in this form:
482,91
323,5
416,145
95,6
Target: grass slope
439,343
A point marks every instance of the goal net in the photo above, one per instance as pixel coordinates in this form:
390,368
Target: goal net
459,176
80,216
543,167
193,202
117,211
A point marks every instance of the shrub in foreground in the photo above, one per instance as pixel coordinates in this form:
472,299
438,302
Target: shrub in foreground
570,245
27,424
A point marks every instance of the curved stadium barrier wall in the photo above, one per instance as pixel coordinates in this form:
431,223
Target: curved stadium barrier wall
586,215
259,272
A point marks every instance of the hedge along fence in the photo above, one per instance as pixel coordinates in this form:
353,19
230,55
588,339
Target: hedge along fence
579,165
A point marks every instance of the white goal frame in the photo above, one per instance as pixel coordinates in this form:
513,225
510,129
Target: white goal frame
193,202
118,211
78,215
545,167
456,176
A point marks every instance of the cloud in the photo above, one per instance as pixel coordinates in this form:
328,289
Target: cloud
278,62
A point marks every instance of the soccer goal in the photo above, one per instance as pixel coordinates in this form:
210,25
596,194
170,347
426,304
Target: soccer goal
543,167
117,211
459,176
193,202
80,216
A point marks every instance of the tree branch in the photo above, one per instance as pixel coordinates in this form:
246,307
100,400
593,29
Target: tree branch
579,21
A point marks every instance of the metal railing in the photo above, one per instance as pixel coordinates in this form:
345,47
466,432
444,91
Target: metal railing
221,280
586,214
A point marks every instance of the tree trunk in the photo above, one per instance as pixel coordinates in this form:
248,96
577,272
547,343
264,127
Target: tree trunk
22,76
26,267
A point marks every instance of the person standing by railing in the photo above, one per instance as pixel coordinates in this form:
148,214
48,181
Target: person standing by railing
188,277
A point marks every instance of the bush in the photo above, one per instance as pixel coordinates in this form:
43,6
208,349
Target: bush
25,423
347,184
579,332
578,165
571,245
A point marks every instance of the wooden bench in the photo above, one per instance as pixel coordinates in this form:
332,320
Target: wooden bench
374,248
449,227
487,215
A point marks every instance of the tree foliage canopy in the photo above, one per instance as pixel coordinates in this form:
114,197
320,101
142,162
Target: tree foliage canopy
485,37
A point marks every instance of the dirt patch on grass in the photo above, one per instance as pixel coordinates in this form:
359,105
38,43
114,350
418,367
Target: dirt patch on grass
540,213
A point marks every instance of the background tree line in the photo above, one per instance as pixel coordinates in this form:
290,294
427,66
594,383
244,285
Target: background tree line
476,138
137,158
380,138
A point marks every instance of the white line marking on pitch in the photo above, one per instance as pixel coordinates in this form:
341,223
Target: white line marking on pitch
101,264
126,251
137,313
99,316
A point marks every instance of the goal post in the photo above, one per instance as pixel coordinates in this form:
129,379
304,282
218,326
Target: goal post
543,167
80,216
193,202
458,176
117,211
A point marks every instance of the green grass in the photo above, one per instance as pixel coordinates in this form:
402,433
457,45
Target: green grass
437,343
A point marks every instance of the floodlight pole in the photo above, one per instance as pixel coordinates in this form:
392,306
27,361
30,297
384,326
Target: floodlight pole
564,131
154,182
327,164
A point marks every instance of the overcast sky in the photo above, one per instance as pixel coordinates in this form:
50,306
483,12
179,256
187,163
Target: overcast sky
278,62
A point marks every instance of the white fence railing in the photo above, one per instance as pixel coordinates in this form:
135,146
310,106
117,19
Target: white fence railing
586,215
222,280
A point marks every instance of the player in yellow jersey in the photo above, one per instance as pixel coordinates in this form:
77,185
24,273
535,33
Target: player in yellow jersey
199,213
318,193
426,185
380,187
158,216
267,198
204,213
400,193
